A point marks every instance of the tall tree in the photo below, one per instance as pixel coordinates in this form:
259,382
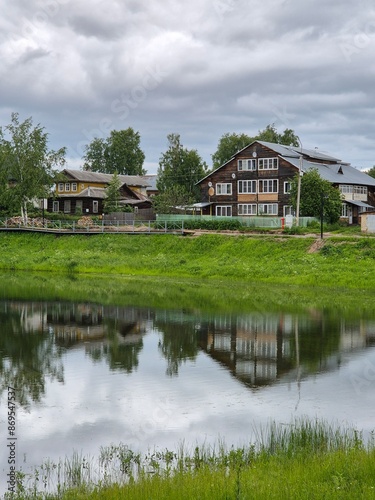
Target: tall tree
112,192
371,172
181,167
27,166
120,152
316,194
230,144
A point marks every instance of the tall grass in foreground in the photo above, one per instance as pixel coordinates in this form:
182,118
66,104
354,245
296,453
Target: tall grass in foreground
306,459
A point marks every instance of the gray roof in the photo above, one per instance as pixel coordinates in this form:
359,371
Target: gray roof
336,174
86,176
295,151
151,179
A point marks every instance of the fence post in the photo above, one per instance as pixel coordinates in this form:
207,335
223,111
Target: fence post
182,227
74,226
166,226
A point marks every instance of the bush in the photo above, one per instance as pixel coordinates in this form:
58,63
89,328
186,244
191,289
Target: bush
214,225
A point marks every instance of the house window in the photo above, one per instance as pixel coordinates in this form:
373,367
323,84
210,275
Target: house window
55,206
268,163
247,209
224,188
224,211
247,187
74,186
66,206
268,186
268,209
61,187
247,164
287,187
288,210
95,206
67,186
360,189
344,210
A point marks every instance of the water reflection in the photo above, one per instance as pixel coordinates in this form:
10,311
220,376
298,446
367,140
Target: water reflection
259,349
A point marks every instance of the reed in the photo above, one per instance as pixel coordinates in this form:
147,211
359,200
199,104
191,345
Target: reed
305,459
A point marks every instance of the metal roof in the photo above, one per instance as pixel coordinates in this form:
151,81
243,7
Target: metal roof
86,176
358,203
336,174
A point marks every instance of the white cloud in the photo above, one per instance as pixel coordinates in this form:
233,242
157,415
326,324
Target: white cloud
200,69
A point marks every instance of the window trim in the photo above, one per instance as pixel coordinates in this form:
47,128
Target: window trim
95,206
268,163
241,213
74,186
253,184
219,187
228,208
243,164
60,187
287,187
55,206
276,205
274,183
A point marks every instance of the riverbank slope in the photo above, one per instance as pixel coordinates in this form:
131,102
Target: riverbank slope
346,262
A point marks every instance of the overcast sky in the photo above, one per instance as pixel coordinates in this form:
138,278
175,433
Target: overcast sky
199,68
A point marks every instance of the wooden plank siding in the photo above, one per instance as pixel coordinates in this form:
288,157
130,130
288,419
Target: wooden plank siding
230,174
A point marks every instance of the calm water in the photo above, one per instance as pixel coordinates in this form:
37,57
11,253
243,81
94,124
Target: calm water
88,375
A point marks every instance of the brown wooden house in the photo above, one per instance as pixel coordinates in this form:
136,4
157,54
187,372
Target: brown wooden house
82,192
256,181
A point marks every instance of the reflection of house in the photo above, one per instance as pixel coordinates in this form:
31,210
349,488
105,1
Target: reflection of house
256,181
256,348
84,192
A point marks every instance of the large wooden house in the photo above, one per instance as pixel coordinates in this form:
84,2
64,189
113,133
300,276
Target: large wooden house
256,181
84,192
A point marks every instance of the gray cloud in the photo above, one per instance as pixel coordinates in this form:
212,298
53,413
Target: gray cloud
200,69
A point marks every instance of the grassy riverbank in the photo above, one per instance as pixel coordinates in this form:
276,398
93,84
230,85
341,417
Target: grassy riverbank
346,262
301,460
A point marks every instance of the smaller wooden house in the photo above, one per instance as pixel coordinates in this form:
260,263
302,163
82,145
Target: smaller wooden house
83,192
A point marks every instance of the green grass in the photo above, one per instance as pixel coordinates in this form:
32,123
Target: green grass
343,262
302,460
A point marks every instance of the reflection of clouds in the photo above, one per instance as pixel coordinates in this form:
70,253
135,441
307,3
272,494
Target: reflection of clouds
144,409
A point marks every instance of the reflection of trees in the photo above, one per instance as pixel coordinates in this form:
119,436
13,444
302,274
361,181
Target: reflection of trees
27,356
179,343
122,347
318,339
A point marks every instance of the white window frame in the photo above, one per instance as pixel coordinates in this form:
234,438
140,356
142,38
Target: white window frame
268,209
247,209
247,186
268,163
55,207
287,187
223,208
268,186
60,187
288,210
344,210
95,206
247,164
223,188
67,186
74,186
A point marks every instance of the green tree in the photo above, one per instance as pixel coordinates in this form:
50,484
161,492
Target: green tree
120,152
371,172
316,193
179,170
112,193
230,144
270,134
26,164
